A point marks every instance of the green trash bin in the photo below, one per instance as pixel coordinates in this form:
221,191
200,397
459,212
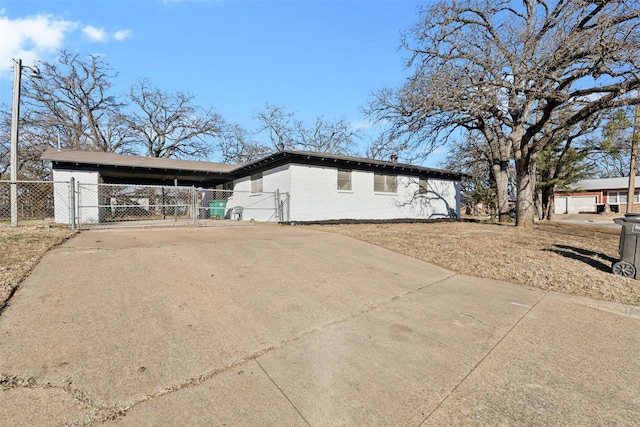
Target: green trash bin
217,208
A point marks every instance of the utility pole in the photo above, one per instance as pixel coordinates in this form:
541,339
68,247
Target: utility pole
634,160
15,114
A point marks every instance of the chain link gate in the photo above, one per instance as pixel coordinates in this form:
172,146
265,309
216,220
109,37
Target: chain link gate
118,204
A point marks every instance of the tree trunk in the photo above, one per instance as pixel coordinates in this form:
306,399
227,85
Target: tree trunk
543,204
525,209
501,176
540,204
547,202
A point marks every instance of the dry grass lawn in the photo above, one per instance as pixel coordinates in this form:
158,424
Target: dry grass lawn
573,259
21,249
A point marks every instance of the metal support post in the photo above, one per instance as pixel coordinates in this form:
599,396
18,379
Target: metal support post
15,114
72,203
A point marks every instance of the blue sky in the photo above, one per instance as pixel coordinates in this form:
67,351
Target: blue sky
318,58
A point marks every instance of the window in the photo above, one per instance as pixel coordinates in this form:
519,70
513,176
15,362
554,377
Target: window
385,183
256,183
621,197
423,186
344,180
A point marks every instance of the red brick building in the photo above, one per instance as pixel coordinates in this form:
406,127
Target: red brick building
597,195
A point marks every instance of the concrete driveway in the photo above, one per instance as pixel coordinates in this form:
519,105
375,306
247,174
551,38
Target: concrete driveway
288,326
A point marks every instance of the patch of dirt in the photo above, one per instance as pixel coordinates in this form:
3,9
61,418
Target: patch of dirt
572,259
21,249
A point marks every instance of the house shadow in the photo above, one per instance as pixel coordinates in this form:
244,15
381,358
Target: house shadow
594,259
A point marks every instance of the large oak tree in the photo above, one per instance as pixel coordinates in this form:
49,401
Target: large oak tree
171,124
509,69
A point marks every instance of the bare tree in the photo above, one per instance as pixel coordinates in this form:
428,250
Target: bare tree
237,147
170,125
73,100
473,156
281,126
382,147
33,141
336,137
288,133
5,140
506,68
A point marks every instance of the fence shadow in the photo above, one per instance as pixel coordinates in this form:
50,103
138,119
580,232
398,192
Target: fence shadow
594,259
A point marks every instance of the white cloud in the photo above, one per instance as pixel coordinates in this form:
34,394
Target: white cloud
31,38
121,34
39,37
95,34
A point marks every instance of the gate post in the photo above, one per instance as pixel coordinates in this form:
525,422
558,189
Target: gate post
278,213
195,212
72,202
288,203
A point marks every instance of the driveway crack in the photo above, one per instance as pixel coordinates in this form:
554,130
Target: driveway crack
283,393
96,412
453,390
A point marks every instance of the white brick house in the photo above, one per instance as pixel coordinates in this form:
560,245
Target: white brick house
318,186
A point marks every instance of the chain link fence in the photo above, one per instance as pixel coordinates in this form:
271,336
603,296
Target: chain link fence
85,205
109,203
35,200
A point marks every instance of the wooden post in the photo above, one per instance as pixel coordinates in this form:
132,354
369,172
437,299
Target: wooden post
634,160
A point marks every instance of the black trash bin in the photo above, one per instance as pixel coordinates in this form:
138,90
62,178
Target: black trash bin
629,248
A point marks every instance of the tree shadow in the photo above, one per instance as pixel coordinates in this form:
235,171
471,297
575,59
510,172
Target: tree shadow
426,201
596,260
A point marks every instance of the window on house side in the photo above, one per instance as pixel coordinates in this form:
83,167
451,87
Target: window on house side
344,180
385,183
256,183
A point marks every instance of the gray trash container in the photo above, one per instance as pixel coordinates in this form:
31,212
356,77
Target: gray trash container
629,248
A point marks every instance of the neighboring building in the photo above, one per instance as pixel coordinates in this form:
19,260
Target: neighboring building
597,195
319,186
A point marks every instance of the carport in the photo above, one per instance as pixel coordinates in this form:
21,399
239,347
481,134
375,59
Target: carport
111,168
113,188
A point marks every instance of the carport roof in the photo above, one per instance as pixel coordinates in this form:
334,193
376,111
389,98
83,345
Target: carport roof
112,159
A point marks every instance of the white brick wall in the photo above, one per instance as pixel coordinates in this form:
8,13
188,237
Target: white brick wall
314,196
61,204
260,206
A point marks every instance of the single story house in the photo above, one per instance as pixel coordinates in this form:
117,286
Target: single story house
316,186
596,195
